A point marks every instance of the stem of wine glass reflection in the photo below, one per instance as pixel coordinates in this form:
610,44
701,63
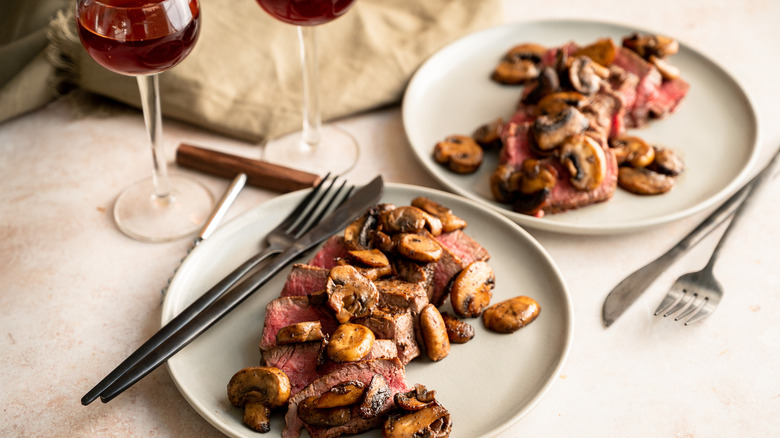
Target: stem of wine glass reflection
312,122
150,103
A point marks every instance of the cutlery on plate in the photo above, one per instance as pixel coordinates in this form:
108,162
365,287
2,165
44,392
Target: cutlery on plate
189,324
629,290
215,218
696,295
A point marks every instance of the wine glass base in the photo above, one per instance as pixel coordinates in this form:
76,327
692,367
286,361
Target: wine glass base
336,153
144,216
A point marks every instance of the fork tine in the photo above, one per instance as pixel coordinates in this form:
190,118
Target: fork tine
314,206
705,311
696,304
307,223
684,302
301,207
672,297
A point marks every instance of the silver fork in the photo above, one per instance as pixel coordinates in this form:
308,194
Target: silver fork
696,295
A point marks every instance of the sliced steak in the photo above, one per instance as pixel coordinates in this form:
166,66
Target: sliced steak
647,89
400,294
669,97
284,311
397,325
413,272
304,279
447,267
328,256
391,369
463,246
564,196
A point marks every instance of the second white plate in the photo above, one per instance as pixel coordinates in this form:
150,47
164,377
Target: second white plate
715,128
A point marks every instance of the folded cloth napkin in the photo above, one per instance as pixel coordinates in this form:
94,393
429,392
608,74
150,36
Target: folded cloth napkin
243,78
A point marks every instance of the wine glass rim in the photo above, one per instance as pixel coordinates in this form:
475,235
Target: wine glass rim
142,3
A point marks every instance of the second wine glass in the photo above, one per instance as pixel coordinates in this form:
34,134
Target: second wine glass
316,148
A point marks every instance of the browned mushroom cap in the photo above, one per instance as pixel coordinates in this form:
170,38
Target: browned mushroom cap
472,289
644,181
461,154
257,390
300,332
409,219
322,417
375,397
489,135
585,160
537,175
632,150
370,257
583,77
551,130
356,233
651,45
519,65
431,422
351,295
556,102
602,51
531,204
458,331
416,399
449,221
350,343
434,333
344,394
418,247
511,315
548,82
500,185
667,70
667,162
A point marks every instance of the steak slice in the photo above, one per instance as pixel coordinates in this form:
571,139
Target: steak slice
669,97
448,266
413,272
463,246
391,369
284,311
399,294
647,88
328,256
304,279
397,325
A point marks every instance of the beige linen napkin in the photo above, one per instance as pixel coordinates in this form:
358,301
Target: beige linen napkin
243,77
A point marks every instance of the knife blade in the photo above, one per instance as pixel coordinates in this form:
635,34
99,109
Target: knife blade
189,330
631,288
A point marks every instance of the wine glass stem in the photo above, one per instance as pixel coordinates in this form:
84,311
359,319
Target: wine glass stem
312,122
150,102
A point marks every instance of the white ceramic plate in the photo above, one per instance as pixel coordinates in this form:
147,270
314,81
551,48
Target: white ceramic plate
514,371
715,129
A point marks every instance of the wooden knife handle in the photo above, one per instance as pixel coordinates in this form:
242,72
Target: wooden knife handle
259,173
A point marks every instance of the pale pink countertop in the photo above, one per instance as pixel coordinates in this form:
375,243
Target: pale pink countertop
77,295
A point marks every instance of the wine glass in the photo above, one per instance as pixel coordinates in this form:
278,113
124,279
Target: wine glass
316,148
143,38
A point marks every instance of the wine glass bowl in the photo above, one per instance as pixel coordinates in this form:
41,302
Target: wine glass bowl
144,38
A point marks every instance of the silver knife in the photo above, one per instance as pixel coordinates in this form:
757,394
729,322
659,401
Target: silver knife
632,287
205,312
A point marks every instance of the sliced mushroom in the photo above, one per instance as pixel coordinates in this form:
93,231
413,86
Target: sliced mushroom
520,65
489,135
585,160
537,175
344,394
370,257
500,183
434,333
644,181
667,162
350,294
667,70
460,153
551,130
357,234
418,247
511,315
602,51
548,82
409,219
556,102
300,332
383,242
583,77
651,45
472,289
258,390
431,422
632,150
319,417
449,221
350,343
531,204
416,399
376,395
458,331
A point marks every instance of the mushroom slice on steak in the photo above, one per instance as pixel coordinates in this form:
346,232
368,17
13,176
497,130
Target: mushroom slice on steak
418,247
667,70
344,394
458,331
350,343
370,257
548,82
431,422
258,390
374,398
350,294
520,65
300,332
644,181
552,130
416,399
409,219
461,154
449,221
537,175
585,160
322,417
531,204
500,183
556,102
667,162
583,77
601,52
632,150
489,135
472,289
651,45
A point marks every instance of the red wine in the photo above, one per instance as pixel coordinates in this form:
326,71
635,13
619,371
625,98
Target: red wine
135,37
306,12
